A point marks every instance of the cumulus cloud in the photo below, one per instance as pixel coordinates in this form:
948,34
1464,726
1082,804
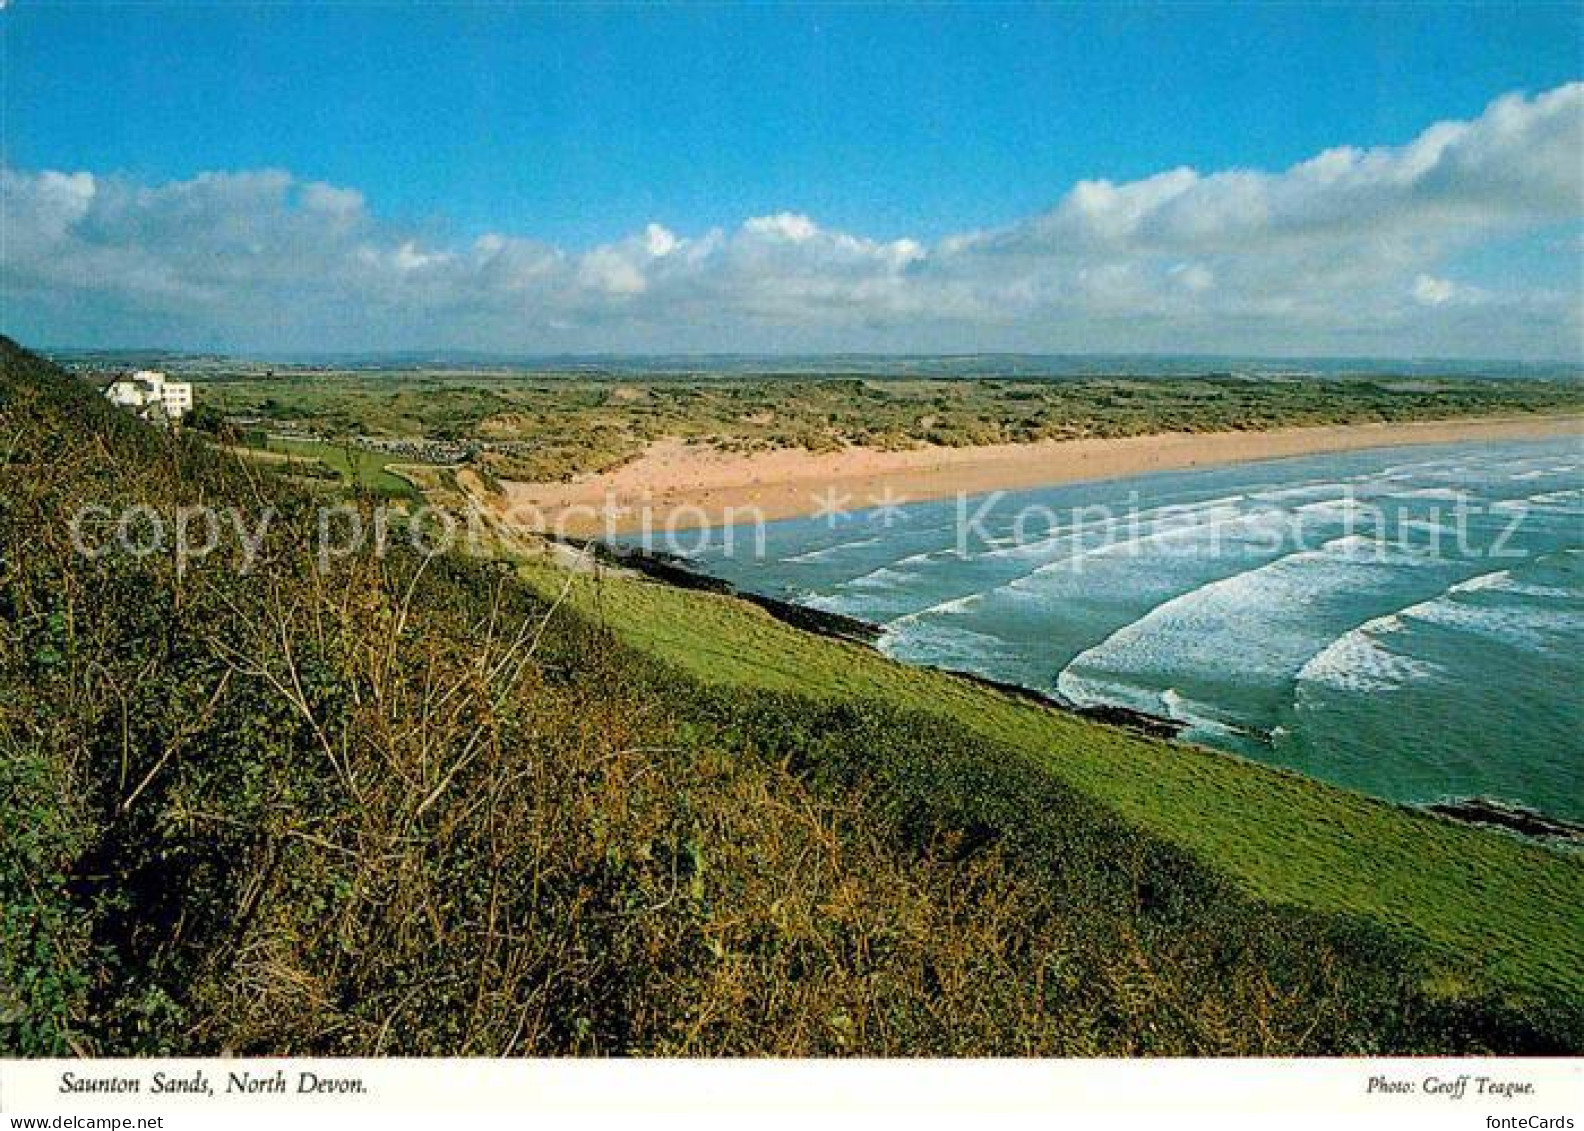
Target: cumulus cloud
1347,251
1432,290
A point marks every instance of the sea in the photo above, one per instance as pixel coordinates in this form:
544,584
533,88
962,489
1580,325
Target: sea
1407,622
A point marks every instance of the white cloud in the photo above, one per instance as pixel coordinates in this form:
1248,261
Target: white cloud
1194,277
1348,251
787,226
1431,291
659,241
1518,161
607,269
331,201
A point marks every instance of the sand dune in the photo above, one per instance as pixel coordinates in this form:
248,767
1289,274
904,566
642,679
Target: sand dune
677,485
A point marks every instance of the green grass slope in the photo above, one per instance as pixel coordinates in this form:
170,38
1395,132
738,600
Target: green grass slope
402,803
369,470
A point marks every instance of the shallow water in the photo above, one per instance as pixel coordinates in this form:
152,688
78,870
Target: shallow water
1408,621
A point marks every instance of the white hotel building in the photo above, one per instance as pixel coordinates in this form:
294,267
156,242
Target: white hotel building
151,396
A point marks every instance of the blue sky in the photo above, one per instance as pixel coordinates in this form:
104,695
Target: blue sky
575,129
581,126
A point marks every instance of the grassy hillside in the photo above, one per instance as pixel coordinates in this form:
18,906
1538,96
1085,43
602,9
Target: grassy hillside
411,804
1517,908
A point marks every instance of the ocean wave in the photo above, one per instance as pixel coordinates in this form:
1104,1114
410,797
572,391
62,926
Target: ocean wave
1260,625
1394,551
1450,494
825,553
1528,627
1199,718
1088,691
1358,660
1559,498
1150,615
924,556
1418,467
1496,579
1205,536
1340,507
953,607
1353,543
1200,630
1506,581
945,646
888,576
1186,514
1171,526
1563,503
1301,491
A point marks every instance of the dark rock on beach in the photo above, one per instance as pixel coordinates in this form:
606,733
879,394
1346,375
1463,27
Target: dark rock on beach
678,571
1492,813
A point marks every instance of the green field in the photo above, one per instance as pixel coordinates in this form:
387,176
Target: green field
317,459
1519,908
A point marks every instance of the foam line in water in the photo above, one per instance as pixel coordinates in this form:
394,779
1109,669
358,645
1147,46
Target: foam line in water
1144,640
1230,527
1235,528
1358,660
1495,579
827,552
1185,513
1318,489
1558,498
1198,718
1178,519
952,607
1087,691
1523,626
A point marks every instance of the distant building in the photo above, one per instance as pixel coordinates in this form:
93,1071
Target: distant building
148,394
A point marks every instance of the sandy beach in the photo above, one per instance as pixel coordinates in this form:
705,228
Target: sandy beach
683,485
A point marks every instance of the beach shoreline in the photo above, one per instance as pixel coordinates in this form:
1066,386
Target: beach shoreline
675,485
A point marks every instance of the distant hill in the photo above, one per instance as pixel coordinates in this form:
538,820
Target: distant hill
857,364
